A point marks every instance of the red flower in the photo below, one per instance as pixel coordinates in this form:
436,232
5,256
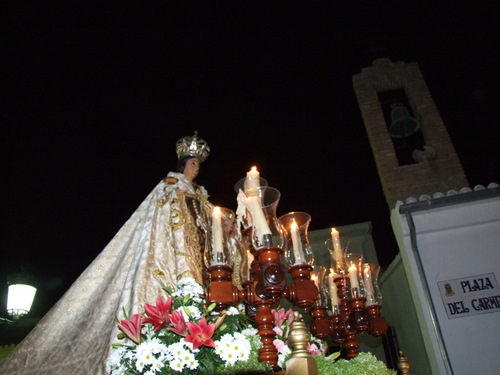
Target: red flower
179,324
159,315
132,328
201,334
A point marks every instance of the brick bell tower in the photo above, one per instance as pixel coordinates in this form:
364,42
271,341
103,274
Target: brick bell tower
411,147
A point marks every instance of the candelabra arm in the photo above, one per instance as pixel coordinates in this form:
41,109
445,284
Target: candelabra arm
377,325
303,292
359,317
320,326
221,289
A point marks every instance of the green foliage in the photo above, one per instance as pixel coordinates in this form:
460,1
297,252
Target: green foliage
363,364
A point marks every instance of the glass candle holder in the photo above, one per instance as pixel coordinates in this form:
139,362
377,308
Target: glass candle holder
337,247
297,249
332,293
370,279
220,235
318,276
353,264
266,231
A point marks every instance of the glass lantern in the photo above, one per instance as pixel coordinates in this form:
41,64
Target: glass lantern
370,278
337,247
318,276
266,231
297,248
354,263
220,238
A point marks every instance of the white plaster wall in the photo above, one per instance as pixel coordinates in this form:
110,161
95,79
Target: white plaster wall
453,241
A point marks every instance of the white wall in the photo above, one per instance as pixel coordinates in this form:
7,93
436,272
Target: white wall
456,242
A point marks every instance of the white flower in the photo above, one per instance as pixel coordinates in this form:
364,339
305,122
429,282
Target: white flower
176,365
250,331
232,311
113,363
232,349
181,355
188,285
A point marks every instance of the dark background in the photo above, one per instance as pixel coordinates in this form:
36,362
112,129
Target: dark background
95,97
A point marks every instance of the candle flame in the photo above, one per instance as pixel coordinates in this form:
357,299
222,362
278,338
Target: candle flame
293,226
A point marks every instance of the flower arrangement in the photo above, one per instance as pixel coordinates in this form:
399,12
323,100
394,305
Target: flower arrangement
181,335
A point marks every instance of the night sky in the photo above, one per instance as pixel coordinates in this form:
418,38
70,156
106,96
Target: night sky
94,99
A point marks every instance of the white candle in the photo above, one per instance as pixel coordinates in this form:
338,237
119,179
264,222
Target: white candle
353,276
337,249
333,291
258,217
252,181
217,235
297,244
367,278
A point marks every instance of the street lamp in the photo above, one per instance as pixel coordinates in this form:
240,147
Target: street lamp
19,298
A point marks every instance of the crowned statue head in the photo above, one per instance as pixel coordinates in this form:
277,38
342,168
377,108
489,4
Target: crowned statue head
192,147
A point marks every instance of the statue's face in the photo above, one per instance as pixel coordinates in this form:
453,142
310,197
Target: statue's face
192,168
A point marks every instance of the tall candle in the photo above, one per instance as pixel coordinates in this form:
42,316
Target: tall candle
337,249
252,181
297,244
367,278
258,217
217,235
353,276
333,291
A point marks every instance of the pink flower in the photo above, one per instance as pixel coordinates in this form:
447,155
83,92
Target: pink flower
279,344
132,328
159,315
313,349
201,334
179,324
281,315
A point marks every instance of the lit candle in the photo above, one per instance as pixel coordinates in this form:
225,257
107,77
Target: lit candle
334,298
217,235
316,280
353,276
297,244
337,249
252,181
258,217
367,278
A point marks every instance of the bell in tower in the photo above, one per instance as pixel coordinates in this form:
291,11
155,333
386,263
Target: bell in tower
402,124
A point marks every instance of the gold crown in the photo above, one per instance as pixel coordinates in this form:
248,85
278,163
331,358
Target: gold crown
193,146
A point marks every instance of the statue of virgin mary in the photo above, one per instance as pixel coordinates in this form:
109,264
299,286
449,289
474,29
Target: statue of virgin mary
159,244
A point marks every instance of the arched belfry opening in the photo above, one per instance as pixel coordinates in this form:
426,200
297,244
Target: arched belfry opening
412,150
403,127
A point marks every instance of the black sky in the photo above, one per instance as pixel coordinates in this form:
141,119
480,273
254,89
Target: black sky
94,99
